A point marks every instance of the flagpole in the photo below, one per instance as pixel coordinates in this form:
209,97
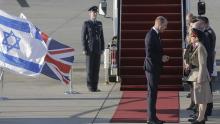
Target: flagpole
70,90
2,85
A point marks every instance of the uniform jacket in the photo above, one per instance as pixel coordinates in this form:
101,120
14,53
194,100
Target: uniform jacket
154,52
200,75
92,37
211,37
198,59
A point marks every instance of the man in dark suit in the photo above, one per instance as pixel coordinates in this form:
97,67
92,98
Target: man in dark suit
153,65
93,47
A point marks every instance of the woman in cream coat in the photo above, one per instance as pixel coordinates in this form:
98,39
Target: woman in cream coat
199,76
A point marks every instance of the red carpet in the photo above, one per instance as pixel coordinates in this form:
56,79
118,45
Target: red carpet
133,107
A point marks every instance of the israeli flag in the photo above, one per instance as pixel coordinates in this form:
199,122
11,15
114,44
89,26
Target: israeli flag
21,47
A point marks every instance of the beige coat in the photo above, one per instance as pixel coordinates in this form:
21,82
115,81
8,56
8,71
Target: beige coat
200,76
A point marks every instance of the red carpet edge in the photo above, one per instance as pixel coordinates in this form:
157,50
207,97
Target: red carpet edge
133,107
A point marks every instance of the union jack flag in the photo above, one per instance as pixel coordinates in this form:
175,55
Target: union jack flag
58,60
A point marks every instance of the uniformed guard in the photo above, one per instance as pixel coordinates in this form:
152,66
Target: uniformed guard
211,36
93,47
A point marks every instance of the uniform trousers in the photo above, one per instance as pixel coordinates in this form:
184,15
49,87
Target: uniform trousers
92,68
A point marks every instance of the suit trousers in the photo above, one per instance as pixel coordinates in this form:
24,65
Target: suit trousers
209,105
152,84
92,68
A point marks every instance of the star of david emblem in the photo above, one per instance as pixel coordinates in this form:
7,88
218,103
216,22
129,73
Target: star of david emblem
11,41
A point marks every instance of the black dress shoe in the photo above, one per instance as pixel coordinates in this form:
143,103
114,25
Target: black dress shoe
160,121
93,89
98,90
156,122
199,122
192,119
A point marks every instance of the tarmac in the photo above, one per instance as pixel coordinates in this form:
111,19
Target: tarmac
41,100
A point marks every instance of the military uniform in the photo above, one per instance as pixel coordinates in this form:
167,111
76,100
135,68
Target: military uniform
93,46
210,34
200,75
212,40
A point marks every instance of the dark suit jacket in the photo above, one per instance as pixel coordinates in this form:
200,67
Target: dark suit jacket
154,52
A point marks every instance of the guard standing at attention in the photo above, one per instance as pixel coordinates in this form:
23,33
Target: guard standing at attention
93,47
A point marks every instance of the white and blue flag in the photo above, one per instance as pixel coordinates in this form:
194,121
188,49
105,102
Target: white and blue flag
21,47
